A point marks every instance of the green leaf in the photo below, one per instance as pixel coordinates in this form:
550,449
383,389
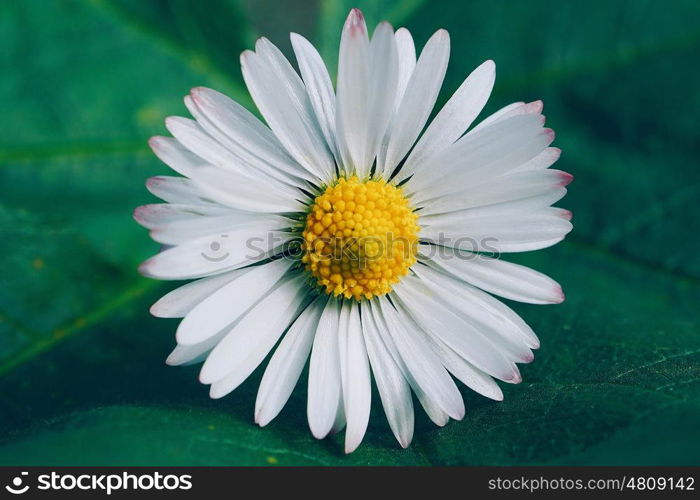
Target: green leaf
617,379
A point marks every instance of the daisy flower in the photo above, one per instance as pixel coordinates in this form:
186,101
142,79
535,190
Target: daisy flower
343,233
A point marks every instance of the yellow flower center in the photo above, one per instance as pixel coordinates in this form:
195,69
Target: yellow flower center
360,238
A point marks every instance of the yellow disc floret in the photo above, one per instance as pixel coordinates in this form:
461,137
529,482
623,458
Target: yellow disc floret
360,238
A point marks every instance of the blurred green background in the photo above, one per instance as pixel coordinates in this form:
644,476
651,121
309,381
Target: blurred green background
83,84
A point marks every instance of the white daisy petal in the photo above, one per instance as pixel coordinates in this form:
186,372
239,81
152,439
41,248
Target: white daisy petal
428,402
246,193
175,190
470,376
529,205
283,173
501,231
185,229
512,281
506,315
340,421
355,377
247,136
476,157
520,185
545,159
353,95
318,86
384,77
324,373
239,352
230,302
424,367
184,355
457,296
231,171
180,301
406,50
287,363
175,155
343,325
216,253
394,390
499,308
453,119
193,137
172,224
418,101
281,97
492,118
515,109
431,408
439,321
157,214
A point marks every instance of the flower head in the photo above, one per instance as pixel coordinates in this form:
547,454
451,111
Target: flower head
345,234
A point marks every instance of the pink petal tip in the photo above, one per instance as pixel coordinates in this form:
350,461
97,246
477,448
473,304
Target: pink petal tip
550,134
355,23
536,106
196,92
566,179
152,181
139,212
245,55
155,142
144,268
